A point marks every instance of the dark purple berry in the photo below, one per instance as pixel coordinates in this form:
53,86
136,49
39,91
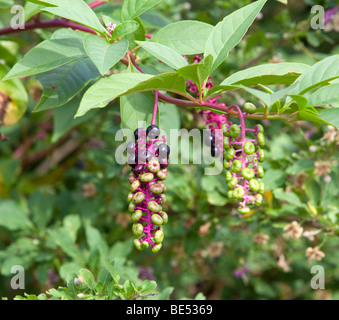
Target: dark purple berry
153,132
132,160
138,169
209,139
214,151
164,151
144,156
139,133
131,147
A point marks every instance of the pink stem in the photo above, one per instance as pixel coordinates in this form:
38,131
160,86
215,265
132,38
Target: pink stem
156,100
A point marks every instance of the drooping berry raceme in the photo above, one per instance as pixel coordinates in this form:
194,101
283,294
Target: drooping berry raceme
243,153
148,160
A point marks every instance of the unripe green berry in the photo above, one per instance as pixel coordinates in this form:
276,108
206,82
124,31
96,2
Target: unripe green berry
249,148
260,128
247,173
136,216
156,188
131,178
156,219
163,198
229,176
137,229
230,194
130,197
153,165
250,108
164,216
236,166
162,184
243,210
234,131
156,248
226,143
138,197
131,207
261,154
144,244
162,174
230,154
159,236
154,206
238,193
224,129
232,183
260,171
259,199
137,244
261,187
135,185
147,177
261,139
254,185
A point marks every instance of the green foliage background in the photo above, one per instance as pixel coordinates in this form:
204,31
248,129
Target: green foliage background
63,200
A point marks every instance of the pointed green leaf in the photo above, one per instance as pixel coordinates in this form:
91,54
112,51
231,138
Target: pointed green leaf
88,278
325,95
229,32
76,10
125,28
134,8
164,54
60,85
182,36
111,269
48,55
103,54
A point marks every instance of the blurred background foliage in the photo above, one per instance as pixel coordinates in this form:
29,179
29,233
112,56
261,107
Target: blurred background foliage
63,197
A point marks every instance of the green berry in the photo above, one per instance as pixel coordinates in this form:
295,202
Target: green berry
154,206
261,187
137,229
153,165
250,108
135,185
138,197
234,131
224,129
163,198
156,219
259,199
261,154
137,244
131,178
260,171
136,216
159,236
260,128
226,143
131,207
247,173
254,185
144,244
236,166
261,139
230,154
156,248
231,184
229,176
249,148
147,177
162,174
164,216
243,210
156,188
130,197
238,193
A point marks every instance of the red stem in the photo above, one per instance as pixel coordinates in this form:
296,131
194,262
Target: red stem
156,101
96,3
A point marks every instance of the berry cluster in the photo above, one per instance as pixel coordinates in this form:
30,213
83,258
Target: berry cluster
148,160
242,156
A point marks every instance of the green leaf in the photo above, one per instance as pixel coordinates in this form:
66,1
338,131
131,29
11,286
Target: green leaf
63,118
48,55
228,33
319,74
125,28
71,285
113,272
88,278
289,197
325,95
164,54
330,116
60,85
129,289
13,217
78,11
108,89
134,8
103,54
147,286
134,108
198,72
182,36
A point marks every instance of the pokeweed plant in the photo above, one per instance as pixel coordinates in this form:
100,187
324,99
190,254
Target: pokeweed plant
80,57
